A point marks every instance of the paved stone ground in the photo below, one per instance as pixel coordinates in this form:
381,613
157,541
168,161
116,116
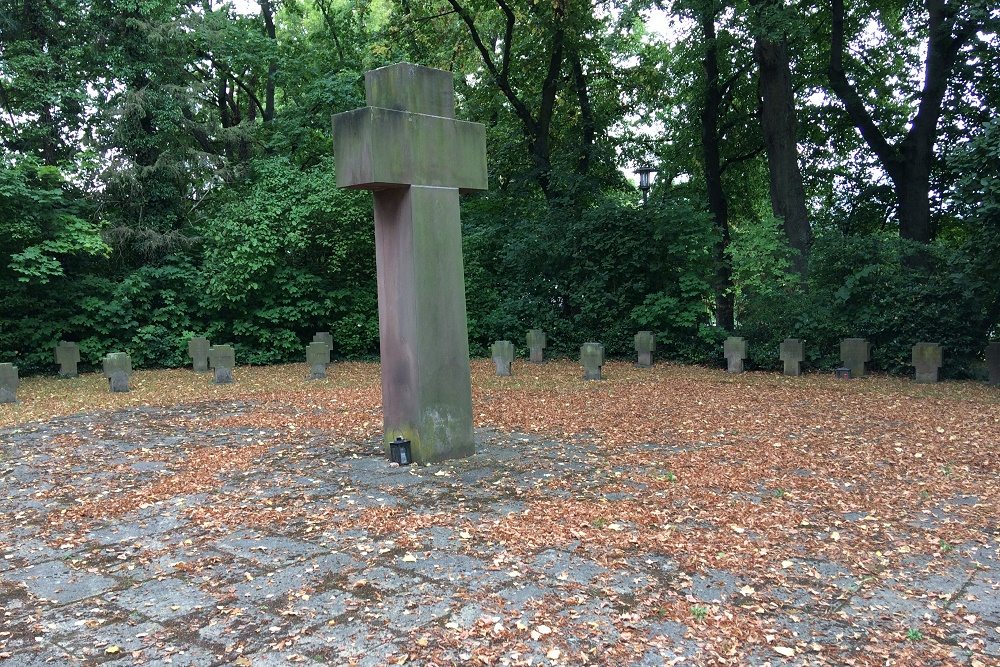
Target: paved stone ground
298,578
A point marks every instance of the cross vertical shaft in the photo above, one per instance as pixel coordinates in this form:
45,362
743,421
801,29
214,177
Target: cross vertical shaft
409,150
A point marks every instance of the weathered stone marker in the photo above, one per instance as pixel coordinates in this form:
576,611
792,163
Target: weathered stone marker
67,356
317,356
993,362
503,357
645,345
855,353
735,351
198,351
536,346
408,148
222,359
926,359
324,337
792,351
592,358
8,383
117,368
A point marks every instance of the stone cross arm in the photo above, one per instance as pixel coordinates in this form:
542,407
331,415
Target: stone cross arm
791,349
408,135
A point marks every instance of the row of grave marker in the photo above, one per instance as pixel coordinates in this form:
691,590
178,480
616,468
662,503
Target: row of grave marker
855,353
117,366
591,354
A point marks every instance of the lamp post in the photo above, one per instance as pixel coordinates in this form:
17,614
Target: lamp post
645,180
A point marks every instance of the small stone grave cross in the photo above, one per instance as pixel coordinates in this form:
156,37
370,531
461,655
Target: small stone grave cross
198,351
324,337
645,345
536,345
317,356
792,352
993,362
503,357
8,383
222,359
67,356
592,358
408,147
926,359
855,353
735,351
117,368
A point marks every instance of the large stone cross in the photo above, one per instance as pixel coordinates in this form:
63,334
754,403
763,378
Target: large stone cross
407,147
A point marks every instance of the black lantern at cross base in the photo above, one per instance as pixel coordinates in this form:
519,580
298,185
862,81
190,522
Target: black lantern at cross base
399,452
645,181
843,373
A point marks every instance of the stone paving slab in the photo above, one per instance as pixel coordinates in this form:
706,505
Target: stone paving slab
55,582
331,586
163,599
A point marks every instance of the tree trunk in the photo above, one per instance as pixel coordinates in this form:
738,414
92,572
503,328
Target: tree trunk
777,119
717,201
911,183
588,127
36,25
541,148
267,11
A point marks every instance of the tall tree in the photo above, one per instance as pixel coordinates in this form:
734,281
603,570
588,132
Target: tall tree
718,203
42,89
778,124
907,159
710,147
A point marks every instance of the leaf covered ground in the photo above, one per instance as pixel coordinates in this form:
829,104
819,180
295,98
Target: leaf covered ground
665,515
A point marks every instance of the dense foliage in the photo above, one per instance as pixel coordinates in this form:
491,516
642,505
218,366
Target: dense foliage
168,171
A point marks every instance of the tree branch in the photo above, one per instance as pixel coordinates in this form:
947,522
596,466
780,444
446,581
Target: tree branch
551,84
6,103
942,52
324,9
728,88
508,37
849,97
749,155
199,133
499,77
223,70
